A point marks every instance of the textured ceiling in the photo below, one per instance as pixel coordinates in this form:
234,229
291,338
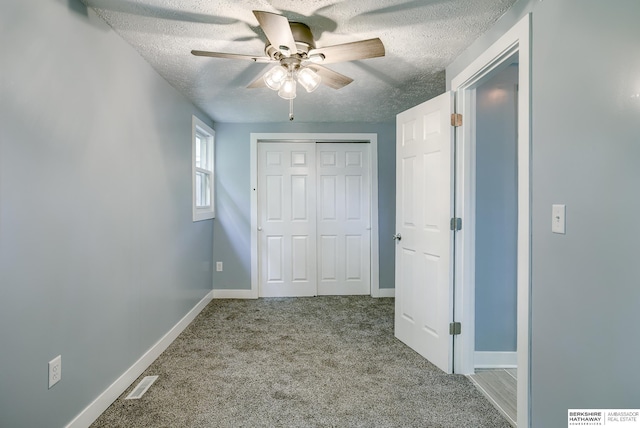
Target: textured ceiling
421,38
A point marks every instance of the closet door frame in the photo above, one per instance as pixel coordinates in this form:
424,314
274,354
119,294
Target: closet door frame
370,138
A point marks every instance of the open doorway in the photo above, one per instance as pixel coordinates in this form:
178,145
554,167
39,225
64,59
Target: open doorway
511,48
496,230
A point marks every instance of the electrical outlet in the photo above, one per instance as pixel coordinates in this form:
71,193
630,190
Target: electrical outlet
218,266
55,370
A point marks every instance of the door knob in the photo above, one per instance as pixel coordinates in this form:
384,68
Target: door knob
397,236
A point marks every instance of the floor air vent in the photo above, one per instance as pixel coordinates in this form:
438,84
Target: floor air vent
142,387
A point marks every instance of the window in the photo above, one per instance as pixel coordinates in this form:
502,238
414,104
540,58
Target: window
202,161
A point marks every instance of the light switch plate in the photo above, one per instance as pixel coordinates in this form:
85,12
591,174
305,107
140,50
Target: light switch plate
558,221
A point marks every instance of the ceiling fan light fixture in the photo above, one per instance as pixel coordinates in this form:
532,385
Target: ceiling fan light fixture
288,88
309,79
275,77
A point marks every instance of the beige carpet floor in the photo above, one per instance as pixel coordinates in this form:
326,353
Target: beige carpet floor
303,362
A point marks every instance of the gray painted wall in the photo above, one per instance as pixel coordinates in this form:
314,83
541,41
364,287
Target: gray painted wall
585,154
105,260
496,213
232,228
99,257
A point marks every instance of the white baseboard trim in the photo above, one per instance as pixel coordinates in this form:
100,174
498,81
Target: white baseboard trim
234,294
250,294
386,292
495,360
104,400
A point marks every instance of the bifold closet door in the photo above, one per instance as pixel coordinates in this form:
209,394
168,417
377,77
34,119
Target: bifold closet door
343,218
314,219
287,219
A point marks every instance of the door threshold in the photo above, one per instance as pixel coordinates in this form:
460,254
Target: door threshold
499,386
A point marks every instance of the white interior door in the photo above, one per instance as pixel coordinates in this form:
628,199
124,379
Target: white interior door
287,219
424,207
343,216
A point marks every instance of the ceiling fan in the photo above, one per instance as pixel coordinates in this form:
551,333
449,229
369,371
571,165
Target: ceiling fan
292,46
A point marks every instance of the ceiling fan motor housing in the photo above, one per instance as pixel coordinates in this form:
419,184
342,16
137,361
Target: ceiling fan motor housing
303,38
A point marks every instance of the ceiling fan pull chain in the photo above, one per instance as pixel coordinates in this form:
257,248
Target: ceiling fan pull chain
291,109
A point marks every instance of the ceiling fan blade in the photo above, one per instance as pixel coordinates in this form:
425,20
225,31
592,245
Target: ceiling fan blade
331,78
258,82
276,28
364,49
231,56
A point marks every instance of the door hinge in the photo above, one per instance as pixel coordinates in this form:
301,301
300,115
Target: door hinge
456,223
456,119
455,328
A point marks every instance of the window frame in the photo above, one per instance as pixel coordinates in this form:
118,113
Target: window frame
204,131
